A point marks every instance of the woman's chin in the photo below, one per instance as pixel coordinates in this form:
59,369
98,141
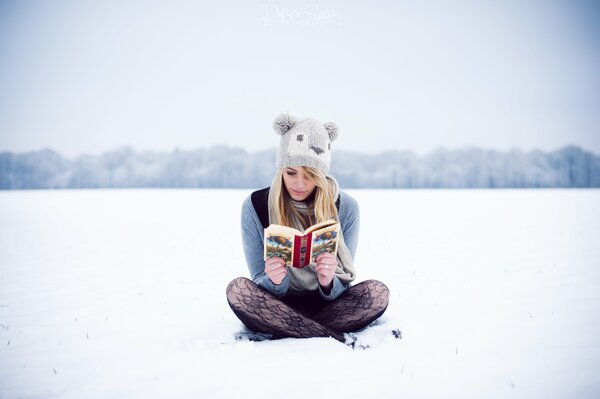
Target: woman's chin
299,197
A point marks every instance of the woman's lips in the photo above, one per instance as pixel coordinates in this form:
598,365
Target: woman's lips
298,192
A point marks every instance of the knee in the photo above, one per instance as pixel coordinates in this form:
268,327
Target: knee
380,291
235,287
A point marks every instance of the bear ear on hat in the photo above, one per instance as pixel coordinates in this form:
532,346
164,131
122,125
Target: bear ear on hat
283,123
332,130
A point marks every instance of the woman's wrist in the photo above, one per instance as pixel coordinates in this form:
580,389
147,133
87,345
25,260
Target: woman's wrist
327,289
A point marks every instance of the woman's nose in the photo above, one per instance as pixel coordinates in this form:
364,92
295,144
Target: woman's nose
302,182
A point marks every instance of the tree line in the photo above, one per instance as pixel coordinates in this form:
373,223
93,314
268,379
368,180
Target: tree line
232,167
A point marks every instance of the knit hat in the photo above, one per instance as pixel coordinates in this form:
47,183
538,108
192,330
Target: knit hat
304,142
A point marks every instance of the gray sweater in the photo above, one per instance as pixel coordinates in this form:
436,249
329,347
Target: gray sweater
253,239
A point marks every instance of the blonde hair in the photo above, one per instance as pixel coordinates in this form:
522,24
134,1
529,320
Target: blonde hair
324,202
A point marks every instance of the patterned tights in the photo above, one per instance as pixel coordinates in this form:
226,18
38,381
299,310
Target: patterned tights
306,317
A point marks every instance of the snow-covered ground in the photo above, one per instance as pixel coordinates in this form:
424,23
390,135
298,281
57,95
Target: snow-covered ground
121,293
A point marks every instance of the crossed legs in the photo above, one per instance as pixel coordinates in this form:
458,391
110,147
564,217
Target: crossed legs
263,312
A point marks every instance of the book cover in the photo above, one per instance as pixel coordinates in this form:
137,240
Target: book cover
300,248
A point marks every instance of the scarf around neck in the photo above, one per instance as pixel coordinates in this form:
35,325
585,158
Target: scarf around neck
306,278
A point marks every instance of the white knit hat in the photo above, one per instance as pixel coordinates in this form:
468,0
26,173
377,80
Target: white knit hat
304,142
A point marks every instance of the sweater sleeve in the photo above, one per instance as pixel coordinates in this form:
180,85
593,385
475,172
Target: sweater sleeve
253,239
337,290
350,220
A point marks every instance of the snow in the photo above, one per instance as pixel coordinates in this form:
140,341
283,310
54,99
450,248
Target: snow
121,293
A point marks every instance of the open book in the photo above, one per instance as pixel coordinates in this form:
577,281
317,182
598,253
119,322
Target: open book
297,248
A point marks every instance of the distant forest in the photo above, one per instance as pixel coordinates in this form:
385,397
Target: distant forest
227,167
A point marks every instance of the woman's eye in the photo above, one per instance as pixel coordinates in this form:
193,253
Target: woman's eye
291,173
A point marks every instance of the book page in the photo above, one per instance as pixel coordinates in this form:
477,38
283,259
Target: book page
279,229
318,226
325,240
279,244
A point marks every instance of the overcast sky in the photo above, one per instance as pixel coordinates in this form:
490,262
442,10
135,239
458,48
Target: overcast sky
90,76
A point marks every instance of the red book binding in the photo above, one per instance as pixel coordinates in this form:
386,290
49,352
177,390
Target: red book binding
302,247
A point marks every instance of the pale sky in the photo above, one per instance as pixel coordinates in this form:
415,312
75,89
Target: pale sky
91,76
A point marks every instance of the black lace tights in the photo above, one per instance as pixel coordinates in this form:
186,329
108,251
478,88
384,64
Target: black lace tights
305,317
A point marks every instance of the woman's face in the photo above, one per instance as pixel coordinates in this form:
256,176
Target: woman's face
297,184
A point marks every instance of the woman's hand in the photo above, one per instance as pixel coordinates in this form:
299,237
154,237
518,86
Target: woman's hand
325,268
276,270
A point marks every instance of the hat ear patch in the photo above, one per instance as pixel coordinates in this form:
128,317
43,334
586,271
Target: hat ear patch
283,123
332,130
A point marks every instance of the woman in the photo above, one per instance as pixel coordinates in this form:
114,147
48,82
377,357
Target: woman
318,300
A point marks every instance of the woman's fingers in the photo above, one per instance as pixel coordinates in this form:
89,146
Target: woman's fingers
325,267
275,269
325,273
280,272
324,256
327,261
275,263
325,270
